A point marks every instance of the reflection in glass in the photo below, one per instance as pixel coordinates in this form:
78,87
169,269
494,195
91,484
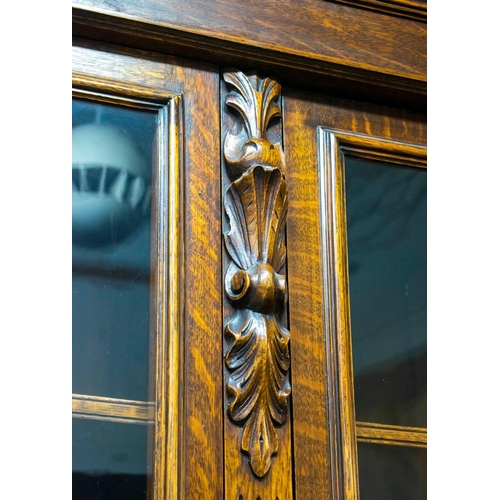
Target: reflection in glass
109,460
112,157
386,231
392,472
111,172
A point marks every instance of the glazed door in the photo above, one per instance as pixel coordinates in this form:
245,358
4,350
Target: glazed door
149,426
356,238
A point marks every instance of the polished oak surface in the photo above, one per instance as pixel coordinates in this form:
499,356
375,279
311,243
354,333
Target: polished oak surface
312,44
281,29
406,9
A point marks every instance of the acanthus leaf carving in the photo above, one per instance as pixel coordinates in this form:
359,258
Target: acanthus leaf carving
259,361
256,102
256,205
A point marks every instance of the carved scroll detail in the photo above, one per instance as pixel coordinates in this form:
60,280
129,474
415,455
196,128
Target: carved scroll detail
256,205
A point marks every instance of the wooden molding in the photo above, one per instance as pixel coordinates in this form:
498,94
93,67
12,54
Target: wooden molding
119,410
119,92
406,9
374,148
231,24
256,205
337,318
369,432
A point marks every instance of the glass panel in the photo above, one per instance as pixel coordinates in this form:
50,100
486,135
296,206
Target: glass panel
112,158
109,460
387,243
392,472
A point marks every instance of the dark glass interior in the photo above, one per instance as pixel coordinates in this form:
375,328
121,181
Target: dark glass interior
111,336
112,155
387,248
109,460
392,472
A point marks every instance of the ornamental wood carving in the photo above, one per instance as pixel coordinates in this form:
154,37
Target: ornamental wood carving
256,205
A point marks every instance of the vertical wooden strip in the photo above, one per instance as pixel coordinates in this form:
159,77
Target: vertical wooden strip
334,380
175,295
335,277
200,432
175,292
169,348
159,167
311,431
167,352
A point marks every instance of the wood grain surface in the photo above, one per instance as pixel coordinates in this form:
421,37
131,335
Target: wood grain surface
312,435
407,9
121,65
200,379
369,432
357,117
121,410
337,309
281,28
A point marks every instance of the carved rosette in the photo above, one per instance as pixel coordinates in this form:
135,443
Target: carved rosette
256,205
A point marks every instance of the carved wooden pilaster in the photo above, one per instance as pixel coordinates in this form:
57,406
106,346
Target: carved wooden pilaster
256,204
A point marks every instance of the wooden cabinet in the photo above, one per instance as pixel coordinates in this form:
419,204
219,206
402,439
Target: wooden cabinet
261,107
